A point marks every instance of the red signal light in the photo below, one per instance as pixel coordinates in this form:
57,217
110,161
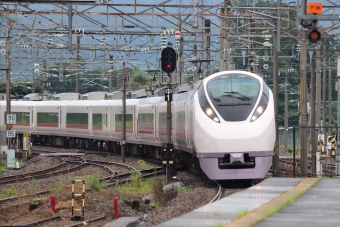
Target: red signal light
168,66
314,35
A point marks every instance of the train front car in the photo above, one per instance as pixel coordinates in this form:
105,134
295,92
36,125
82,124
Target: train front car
234,126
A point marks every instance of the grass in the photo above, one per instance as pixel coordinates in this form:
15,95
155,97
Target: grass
13,191
146,166
94,183
2,169
2,196
34,185
182,189
241,213
136,186
56,189
3,166
153,203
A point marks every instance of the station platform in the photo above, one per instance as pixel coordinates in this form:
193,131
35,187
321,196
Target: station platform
274,202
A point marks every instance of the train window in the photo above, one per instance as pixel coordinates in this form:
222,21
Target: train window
146,123
97,120
77,119
119,123
234,96
47,119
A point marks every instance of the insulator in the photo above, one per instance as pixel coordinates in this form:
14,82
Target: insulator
284,19
285,8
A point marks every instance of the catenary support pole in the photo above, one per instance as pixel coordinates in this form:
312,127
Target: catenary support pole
286,112
111,73
276,106
312,105
123,141
303,105
8,76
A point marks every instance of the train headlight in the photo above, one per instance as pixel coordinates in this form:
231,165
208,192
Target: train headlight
262,106
206,106
209,111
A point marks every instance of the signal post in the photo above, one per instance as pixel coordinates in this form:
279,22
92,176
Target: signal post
168,64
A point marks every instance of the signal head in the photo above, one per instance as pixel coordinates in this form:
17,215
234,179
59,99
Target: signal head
314,35
168,60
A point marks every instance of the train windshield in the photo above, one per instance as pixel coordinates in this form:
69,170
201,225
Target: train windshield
234,95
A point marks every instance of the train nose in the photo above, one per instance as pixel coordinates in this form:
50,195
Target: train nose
236,158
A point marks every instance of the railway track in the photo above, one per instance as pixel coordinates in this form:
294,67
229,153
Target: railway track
17,201
327,167
218,194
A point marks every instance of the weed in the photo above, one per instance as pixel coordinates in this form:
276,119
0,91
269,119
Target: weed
146,166
2,196
121,201
56,189
13,191
2,169
153,203
136,186
109,157
136,179
241,213
181,189
94,183
34,185
97,207
34,200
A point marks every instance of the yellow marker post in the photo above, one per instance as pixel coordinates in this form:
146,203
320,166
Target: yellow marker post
73,217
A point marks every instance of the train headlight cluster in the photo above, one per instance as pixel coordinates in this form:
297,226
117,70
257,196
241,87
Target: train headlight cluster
206,106
211,113
260,108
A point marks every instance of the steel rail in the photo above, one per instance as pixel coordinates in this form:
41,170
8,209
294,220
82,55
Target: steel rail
87,221
218,194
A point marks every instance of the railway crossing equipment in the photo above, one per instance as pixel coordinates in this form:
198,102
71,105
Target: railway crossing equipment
78,218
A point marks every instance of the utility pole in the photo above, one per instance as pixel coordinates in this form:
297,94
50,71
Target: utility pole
160,75
111,73
223,38
286,111
276,107
70,14
303,105
337,157
194,77
44,82
78,64
329,101
8,76
318,87
207,48
324,75
123,141
313,128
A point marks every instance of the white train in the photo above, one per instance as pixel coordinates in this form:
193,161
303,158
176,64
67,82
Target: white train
227,124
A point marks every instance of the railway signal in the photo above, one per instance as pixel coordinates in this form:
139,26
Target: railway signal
314,35
168,60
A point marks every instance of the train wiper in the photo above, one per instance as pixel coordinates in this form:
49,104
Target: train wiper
216,99
237,95
234,104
